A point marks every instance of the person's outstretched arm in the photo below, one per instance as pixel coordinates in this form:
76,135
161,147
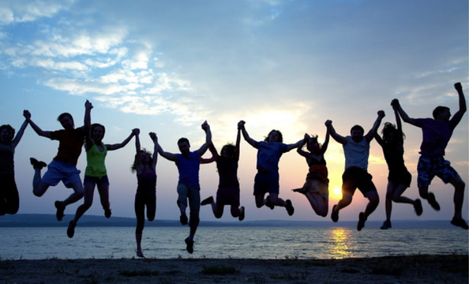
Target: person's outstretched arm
37,129
21,131
116,146
300,143
207,129
154,138
87,114
333,133
138,146
247,137
398,120
370,135
462,106
396,105
169,156
237,144
300,150
324,147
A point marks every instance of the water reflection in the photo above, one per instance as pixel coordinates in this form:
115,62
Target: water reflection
339,243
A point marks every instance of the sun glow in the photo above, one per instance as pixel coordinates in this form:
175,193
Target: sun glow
336,193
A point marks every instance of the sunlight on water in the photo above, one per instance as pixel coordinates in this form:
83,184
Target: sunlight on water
339,243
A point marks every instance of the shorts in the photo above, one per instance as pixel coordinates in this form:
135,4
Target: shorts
229,195
145,199
186,192
355,177
437,166
266,181
400,176
60,171
316,186
99,181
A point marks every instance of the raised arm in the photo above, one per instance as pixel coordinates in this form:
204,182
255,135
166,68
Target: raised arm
247,137
138,146
462,106
397,119
155,148
370,135
333,133
207,129
396,105
21,131
87,114
324,147
112,147
300,150
237,144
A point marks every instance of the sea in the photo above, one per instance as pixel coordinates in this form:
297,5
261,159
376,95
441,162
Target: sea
279,240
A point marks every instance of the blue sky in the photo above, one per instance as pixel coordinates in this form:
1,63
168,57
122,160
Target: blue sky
166,66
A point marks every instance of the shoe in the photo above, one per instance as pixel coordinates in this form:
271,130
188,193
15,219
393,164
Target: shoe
242,213
208,200
59,210
300,190
107,213
183,219
460,223
418,207
289,207
37,165
189,245
386,225
361,222
269,204
70,229
334,214
432,201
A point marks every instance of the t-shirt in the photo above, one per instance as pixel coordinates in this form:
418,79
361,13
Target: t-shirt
393,152
188,168
436,135
96,161
269,154
356,154
70,144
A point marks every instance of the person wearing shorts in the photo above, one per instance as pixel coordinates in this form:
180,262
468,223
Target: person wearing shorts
356,152
437,132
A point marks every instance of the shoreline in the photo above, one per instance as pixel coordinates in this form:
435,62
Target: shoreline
410,268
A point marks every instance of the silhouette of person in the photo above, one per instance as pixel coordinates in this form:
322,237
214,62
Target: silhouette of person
188,189
399,178
228,191
63,167
437,132
356,152
96,172
145,198
269,153
9,198
316,186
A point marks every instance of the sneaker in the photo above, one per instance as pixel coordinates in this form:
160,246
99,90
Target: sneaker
289,207
189,245
183,219
386,225
208,200
432,201
361,222
59,210
70,229
334,214
242,213
418,207
107,213
37,165
460,223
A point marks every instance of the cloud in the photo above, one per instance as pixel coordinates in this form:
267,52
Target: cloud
20,11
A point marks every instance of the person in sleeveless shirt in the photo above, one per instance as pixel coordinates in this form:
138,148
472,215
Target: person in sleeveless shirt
356,152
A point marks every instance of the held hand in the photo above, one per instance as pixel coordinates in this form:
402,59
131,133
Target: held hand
153,137
88,105
306,137
381,113
135,131
241,124
205,126
395,104
458,86
26,114
328,123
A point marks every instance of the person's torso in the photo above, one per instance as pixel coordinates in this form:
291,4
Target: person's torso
227,169
96,161
7,153
436,135
70,145
188,168
356,154
269,154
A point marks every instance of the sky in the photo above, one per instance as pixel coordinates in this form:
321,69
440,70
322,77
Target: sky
166,66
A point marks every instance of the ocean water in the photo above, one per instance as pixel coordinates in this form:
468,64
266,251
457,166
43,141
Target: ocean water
229,242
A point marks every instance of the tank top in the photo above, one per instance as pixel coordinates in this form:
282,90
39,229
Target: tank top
146,181
96,161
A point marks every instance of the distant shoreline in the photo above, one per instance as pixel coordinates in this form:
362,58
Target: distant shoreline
389,269
49,220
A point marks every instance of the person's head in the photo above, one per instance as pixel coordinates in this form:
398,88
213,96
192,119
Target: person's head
66,120
228,151
313,146
357,133
6,134
274,136
183,145
142,157
441,113
389,132
97,132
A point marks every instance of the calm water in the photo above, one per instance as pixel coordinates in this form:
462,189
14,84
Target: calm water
229,242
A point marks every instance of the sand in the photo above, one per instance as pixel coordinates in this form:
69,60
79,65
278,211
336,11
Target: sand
391,269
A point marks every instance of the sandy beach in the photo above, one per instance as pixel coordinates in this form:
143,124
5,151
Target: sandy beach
390,269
